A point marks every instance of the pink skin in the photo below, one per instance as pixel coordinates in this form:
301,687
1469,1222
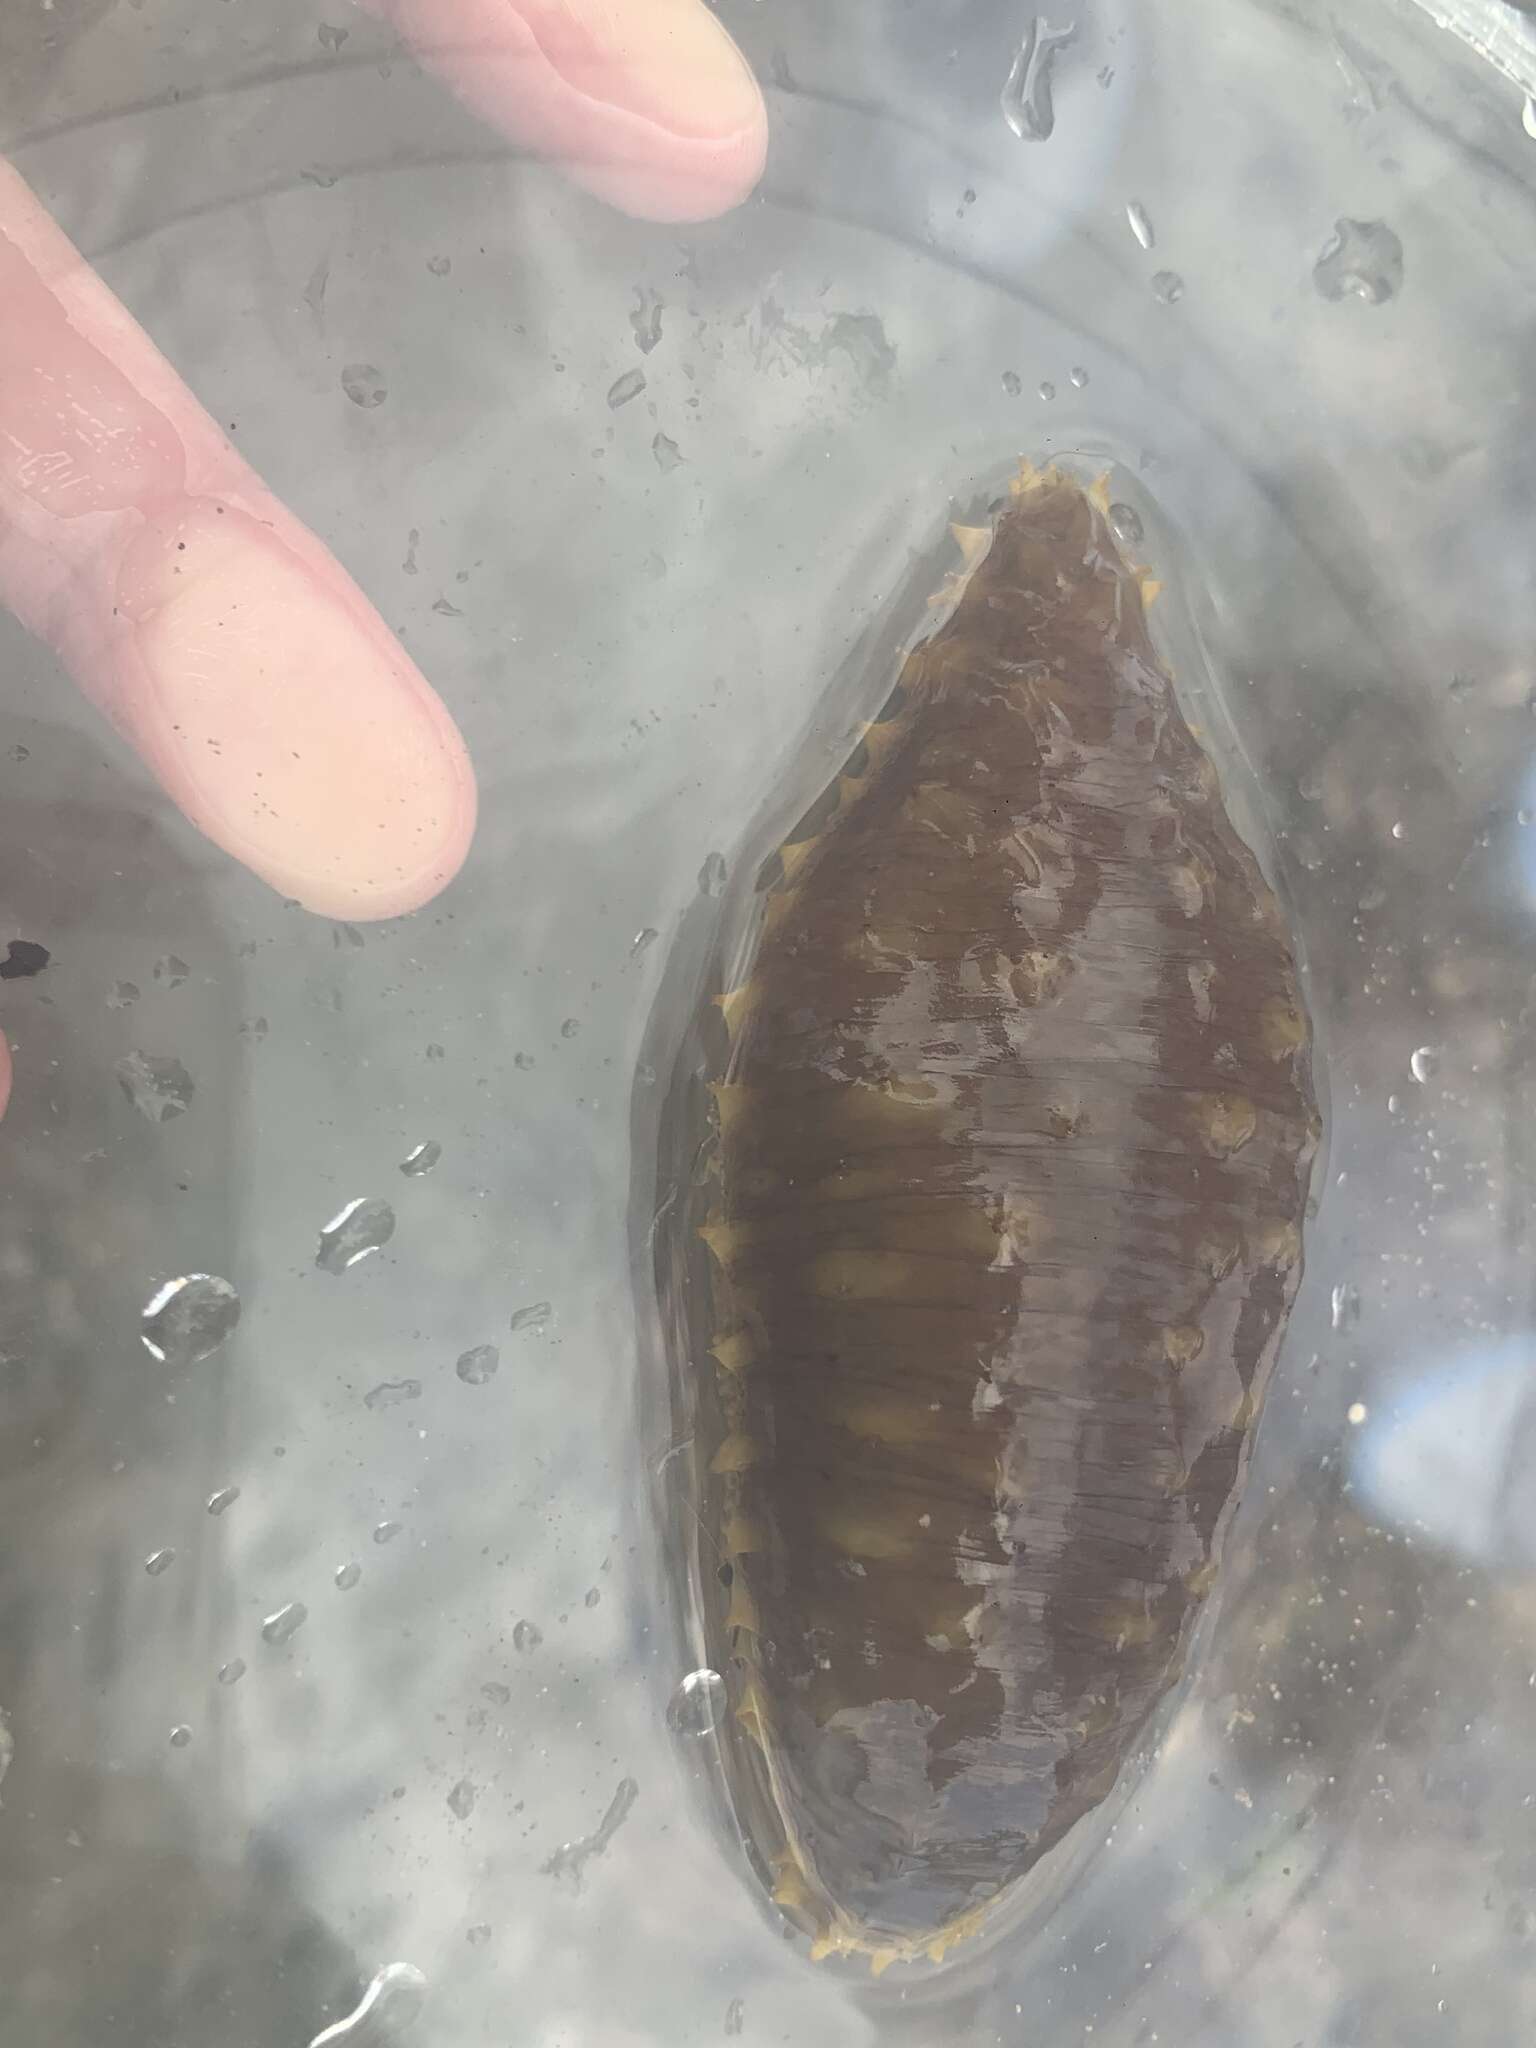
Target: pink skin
219,635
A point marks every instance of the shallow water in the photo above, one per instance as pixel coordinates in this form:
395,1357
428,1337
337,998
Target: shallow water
1330,1843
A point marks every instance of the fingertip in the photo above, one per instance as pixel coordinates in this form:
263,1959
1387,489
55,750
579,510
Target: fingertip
649,104
284,718
681,178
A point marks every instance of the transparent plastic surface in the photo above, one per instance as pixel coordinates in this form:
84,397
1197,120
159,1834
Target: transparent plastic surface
412,1699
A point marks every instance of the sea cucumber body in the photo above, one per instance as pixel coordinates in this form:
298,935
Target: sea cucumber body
990,1230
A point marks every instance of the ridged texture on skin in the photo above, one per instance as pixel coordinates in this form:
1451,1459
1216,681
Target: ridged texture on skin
992,1233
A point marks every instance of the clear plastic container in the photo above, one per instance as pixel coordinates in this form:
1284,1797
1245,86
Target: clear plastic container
460,1762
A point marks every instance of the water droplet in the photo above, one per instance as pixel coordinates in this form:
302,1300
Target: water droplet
498,1694
1125,524
23,958
1528,117
523,1061
534,1317
1167,287
188,1318
1524,817
698,1705
159,1561
439,265
1141,224
386,1532
1363,260
181,1735
421,1158
1013,383
232,1672
158,1088
593,1597
526,1636
364,385
570,1027
171,971
122,994
353,1233
1309,787
1399,830
735,2017
477,1366
624,388
347,1576
283,1626
391,2003
647,936
1047,391
478,1935
1424,1063
226,1497
254,1030
667,453
18,753
712,875
331,38
1345,1302
645,319
1358,1412
1026,99
1080,378
390,1393
461,1800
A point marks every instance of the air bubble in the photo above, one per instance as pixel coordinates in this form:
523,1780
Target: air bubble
386,1532
421,1159
159,1561
1047,391
1345,1305
1424,1063
1167,287
347,1576
232,1672
461,1800
527,1636
225,1497
534,1317
188,1318
181,1735
353,1233
1079,379
698,1705
170,971
1125,524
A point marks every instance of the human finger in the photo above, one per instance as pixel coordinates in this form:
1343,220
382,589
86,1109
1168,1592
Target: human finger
647,103
221,637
